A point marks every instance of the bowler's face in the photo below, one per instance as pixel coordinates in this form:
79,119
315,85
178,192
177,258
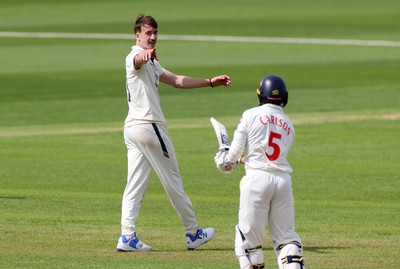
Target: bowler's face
147,38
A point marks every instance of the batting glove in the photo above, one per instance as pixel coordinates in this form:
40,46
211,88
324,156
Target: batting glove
222,164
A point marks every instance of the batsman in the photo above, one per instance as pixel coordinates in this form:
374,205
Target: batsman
261,142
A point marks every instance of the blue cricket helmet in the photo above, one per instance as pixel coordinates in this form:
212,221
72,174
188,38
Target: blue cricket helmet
272,90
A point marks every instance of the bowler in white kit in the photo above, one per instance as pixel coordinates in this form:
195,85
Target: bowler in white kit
262,141
148,142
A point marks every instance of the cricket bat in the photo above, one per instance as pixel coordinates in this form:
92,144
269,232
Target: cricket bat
221,133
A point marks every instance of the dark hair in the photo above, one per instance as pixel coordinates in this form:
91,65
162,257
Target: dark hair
142,20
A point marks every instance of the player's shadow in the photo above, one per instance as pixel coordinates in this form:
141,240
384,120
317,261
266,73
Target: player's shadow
326,249
315,249
12,197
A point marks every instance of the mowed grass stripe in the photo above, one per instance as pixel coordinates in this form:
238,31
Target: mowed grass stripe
230,122
284,40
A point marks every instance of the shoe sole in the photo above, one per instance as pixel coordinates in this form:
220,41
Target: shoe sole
131,250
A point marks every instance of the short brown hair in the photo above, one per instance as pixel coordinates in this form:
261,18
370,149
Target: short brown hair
142,20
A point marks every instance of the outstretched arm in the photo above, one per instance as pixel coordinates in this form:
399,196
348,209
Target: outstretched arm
143,57
185,82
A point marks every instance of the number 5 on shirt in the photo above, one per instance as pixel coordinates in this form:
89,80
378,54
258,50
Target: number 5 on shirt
273,137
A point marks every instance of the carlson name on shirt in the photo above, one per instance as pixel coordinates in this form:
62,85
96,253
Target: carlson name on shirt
271,119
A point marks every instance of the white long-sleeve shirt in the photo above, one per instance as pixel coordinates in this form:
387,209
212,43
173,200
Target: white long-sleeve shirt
142,91
265,133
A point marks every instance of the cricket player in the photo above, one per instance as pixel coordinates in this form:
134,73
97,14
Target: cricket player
265,134
147,140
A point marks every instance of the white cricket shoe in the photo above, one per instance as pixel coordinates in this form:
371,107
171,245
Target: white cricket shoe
132,244
201,237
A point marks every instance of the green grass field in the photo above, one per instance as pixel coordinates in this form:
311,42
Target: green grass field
63,103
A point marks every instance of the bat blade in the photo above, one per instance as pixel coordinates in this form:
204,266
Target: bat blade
221,133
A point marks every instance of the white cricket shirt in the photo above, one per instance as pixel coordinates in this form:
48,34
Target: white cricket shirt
142,91
266,134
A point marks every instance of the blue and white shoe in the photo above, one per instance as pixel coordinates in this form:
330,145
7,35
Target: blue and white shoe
201,237
132,244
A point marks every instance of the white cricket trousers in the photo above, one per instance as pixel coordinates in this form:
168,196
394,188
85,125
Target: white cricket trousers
266,197
149,147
